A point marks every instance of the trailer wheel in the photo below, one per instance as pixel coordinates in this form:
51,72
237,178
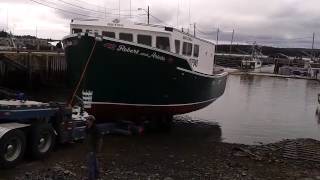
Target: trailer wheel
12,148
42,140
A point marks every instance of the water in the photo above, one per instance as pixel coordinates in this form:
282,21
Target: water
264,109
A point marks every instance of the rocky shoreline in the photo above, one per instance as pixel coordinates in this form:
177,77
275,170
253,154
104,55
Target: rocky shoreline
187,152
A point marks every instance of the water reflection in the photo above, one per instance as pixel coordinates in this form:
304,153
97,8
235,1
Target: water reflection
264,109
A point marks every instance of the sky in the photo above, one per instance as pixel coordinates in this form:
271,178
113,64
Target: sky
279,23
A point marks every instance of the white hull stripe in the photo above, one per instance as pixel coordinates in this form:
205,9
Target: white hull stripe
151,105
203,75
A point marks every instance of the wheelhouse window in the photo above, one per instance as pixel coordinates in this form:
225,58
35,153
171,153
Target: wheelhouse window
163,43
196,50
187,49
76,30
109,34
177,46
144,39
126,37
88,31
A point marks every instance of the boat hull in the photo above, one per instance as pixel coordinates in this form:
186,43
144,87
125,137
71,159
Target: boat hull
129,80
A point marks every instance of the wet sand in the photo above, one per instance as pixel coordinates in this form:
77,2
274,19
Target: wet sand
191,150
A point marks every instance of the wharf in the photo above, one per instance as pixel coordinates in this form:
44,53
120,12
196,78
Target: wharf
273,75
25,68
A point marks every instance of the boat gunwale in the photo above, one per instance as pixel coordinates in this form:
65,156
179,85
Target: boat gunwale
127,42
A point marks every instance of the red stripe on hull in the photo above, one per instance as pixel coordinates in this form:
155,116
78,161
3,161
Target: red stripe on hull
116,111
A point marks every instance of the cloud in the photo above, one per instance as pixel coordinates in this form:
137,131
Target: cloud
273,22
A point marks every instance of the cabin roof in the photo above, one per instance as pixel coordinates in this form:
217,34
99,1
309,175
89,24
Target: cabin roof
132,25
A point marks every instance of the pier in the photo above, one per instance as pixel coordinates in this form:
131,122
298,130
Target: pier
32,69
234,60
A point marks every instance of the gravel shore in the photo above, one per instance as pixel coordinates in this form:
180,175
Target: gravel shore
191,150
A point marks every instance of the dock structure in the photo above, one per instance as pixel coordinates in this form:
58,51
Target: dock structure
31,68
234,60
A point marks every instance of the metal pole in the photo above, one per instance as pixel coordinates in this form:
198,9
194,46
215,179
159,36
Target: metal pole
194,29
148,15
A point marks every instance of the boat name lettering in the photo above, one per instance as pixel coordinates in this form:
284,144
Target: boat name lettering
156,56
187,38
123,48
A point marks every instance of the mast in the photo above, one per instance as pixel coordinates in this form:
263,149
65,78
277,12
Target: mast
218,30
231,41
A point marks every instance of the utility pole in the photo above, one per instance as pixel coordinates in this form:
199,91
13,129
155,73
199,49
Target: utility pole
178,13
218,36
313,37
7,20
105,12
148,15
119,9
194,29
130,9
231,41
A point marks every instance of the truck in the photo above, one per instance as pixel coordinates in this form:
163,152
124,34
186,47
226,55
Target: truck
33,128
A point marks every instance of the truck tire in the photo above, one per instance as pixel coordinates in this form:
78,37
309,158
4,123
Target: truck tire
12,148
41,141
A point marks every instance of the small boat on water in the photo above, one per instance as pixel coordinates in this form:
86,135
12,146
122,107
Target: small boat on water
253,62
141,70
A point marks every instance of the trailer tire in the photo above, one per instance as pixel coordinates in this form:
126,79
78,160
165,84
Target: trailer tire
12,148
42,140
